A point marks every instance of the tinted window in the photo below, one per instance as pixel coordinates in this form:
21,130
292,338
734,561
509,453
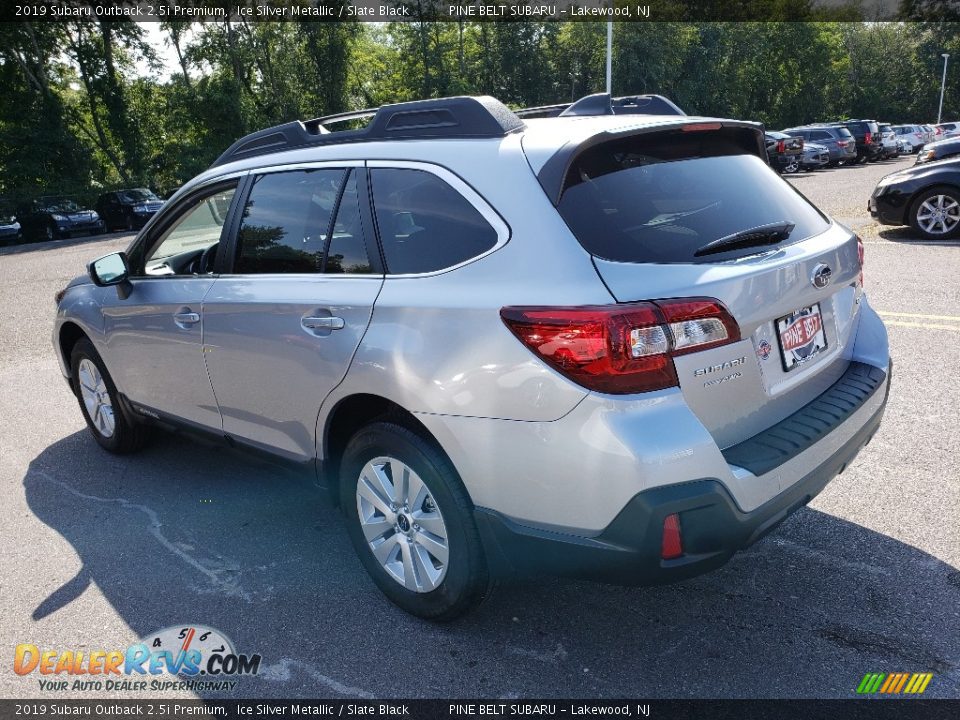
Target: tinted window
424,223
659,199
820,135
286,221
347,252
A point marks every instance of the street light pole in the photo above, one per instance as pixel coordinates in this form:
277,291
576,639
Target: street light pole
609,57
943,84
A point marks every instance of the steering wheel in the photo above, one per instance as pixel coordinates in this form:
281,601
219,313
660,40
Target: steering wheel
203,264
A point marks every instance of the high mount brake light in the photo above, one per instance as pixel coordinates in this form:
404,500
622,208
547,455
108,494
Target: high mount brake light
701,127
626,348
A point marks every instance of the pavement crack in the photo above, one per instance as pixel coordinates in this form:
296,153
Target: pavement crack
864,641
281,671
553,657
222,578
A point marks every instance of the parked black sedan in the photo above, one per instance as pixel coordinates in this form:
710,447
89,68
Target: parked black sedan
10,231
926,197
50,217
128,209
784,152
939,150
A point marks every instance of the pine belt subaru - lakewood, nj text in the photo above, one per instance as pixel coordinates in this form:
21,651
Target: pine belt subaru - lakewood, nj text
606,345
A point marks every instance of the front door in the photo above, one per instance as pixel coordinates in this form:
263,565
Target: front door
154,335
281,329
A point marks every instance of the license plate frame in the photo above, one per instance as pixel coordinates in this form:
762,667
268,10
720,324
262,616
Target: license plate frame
801,336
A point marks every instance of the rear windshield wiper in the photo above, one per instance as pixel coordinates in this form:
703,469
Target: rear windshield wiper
769,234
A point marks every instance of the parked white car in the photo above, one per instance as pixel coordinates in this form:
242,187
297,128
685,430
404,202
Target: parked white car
912,136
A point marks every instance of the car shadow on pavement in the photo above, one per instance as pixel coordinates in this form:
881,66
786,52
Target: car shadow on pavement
189,533
908,236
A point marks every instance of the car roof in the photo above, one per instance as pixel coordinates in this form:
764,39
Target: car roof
540,139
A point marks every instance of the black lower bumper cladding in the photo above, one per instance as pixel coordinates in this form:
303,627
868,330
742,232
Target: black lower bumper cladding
627,552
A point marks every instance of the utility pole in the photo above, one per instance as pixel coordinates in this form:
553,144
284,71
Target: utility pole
610,60
943,84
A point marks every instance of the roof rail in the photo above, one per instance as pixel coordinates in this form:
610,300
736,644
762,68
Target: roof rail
442,118
604,104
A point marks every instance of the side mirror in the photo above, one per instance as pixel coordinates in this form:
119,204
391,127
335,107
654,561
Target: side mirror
112,270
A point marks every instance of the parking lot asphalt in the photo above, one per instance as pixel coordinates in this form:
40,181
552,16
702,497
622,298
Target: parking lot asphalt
97,551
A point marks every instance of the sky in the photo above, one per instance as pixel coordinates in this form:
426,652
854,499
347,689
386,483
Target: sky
165,52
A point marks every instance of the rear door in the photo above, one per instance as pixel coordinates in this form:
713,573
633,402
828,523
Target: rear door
282,322
649,207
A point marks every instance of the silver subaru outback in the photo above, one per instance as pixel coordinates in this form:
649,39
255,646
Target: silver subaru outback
607,345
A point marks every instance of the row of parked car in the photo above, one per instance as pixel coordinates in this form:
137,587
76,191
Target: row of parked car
849,142
50,217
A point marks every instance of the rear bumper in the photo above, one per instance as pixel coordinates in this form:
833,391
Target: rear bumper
713,527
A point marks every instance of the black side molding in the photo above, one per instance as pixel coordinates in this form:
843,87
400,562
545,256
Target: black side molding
808,425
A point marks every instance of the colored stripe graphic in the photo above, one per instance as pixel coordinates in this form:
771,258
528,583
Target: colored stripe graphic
870,683
894,683
903,681
918,683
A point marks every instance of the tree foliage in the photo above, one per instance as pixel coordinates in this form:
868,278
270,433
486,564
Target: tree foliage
86,108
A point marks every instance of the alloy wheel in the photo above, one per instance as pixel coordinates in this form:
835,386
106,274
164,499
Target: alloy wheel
96,398
402,524
938,214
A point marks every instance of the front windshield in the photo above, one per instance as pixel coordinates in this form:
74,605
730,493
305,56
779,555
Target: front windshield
138,195
59,205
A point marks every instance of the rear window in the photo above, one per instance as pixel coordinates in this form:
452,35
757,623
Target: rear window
661,199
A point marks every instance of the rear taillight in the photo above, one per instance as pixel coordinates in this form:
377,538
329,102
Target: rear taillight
860,258
622,349
868,138
781,146
841,143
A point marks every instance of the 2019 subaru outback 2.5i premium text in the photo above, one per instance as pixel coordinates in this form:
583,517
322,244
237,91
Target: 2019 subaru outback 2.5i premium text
616,347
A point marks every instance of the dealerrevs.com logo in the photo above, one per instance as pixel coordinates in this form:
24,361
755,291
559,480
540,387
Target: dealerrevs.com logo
189,657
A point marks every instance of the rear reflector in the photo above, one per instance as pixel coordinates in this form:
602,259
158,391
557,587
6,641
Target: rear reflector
671,546
622,349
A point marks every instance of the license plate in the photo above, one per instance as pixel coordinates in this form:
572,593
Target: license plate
801,336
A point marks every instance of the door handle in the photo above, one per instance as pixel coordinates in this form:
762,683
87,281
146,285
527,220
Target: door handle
322,323
186,318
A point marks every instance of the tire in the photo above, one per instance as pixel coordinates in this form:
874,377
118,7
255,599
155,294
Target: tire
99,402
445,590
929,202
791,167
49,232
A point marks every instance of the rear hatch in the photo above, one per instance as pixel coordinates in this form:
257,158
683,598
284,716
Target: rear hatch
664,215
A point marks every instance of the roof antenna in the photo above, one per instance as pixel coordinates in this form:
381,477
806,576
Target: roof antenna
597,104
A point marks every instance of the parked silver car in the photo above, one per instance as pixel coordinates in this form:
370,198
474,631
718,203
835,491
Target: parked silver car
613,346
913,137
888,137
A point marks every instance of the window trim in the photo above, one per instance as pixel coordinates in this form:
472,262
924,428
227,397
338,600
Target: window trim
465,190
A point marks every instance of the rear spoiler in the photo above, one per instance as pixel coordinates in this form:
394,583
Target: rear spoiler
553,174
